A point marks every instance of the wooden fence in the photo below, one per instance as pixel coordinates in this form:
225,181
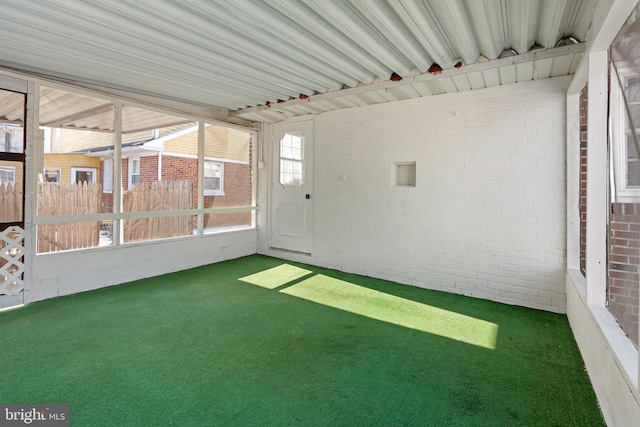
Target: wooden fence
84,198
158,196
10,203
70,199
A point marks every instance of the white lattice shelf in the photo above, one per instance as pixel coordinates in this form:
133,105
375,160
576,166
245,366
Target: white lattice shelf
11,265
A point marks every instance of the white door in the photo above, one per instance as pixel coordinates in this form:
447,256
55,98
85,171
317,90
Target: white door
292,195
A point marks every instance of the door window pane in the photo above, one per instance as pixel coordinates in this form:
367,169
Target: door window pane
12,122
291,162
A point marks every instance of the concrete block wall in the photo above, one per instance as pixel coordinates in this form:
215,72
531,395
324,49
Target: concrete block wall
487,215
66,273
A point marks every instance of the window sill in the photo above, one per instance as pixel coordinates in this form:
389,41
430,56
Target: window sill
622,349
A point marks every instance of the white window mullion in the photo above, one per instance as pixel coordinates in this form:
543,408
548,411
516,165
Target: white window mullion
597,206
201,128
117,175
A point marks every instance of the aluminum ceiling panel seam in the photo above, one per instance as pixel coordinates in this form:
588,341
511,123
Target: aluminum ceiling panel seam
390,26
350,24
297,11
424,31
458,29
99,72
523,18
279,26
553,21
30,26
222,16
488,26
227,42
158,41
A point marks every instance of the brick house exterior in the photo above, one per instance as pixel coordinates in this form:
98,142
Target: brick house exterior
171,156
236,185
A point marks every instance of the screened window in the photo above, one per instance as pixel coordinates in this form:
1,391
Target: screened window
623,261
160,152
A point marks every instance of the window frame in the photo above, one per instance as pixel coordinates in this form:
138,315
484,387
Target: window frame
623,192
293,160
12,143
130,173
220,190
119,216
74,170
107,188
8,169
58,174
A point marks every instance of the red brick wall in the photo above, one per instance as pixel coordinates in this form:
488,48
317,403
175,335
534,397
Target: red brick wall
125,174
148,170
624,259
107,203
237,192
583,179
237,189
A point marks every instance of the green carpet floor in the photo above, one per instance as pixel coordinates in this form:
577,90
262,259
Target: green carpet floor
262,342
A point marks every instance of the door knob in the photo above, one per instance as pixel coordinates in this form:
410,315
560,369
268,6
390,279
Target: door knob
307,196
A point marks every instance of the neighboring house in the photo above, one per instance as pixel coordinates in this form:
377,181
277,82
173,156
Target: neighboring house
70,167
166,154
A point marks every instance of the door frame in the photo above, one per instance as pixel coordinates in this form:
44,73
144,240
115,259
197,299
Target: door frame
20,228
273,151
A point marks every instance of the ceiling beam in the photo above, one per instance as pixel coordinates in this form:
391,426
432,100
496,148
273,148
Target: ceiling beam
426,77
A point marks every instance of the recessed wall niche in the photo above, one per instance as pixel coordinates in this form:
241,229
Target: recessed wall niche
404,174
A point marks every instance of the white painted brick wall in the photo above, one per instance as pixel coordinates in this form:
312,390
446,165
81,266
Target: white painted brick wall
487,216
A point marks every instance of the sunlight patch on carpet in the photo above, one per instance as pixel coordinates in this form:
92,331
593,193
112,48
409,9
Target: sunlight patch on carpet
392,309
276,276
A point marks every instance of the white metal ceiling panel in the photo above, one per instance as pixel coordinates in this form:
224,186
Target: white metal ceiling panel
422,88
476,80
507,74
462,82
524,72
542,68
491,77
447,84
235,55
561,66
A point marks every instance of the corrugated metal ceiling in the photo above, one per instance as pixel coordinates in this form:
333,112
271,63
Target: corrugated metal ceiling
242,55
